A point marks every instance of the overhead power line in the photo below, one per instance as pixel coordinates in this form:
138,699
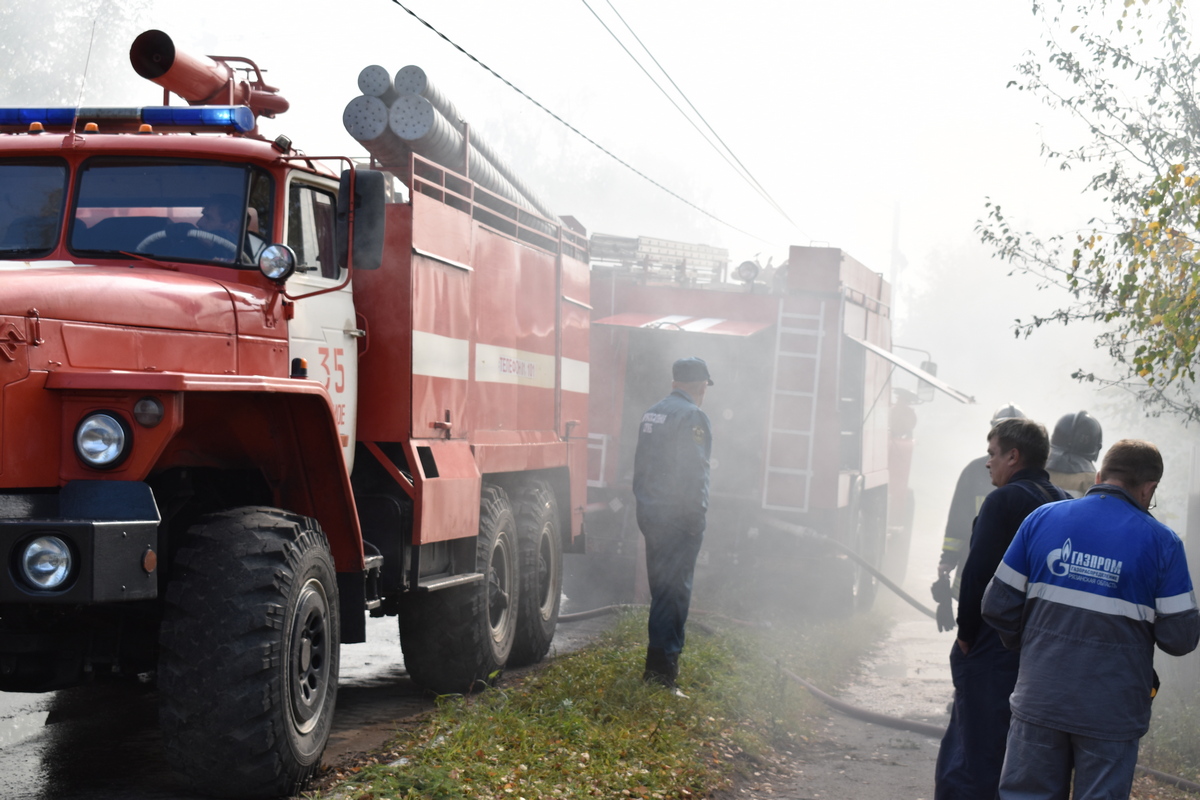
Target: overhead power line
572,128
743,172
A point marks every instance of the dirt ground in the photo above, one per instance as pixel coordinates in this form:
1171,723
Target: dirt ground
907,676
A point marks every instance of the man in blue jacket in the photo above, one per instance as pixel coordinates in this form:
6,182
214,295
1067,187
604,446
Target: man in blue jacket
984,672
1086,590
670,483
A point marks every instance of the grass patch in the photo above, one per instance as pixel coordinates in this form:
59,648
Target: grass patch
586,726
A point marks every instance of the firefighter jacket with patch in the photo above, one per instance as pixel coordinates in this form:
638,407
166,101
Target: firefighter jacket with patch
974,484
670,466
1002,513
1085,591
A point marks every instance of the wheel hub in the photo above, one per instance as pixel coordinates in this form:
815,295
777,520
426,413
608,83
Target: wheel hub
308,675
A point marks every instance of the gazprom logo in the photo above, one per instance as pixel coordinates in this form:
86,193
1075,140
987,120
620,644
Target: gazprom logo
1086,567
1058,559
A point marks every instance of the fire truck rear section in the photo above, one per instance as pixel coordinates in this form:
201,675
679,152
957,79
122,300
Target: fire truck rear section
812,438
218,452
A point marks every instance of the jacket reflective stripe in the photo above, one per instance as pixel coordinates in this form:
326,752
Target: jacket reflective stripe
1177,604
1013,578
1091,602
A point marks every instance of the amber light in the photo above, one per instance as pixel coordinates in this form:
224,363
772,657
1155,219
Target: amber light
148,412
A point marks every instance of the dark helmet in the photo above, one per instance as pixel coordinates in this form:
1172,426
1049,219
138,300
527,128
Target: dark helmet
1078,434
1010,411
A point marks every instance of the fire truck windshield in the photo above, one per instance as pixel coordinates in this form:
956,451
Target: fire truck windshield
31,201
173,210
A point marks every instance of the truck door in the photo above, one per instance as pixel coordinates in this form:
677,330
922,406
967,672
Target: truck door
324,330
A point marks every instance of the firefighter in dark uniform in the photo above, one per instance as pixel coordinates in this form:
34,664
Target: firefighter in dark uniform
1074,447
983,670
670,483
974,484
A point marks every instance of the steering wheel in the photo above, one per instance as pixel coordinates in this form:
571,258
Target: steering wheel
144,244
216,240
207,237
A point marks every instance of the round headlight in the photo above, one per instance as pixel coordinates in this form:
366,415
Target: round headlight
101,440
46,562
277,262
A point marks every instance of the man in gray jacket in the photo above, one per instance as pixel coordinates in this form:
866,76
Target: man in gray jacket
1085,591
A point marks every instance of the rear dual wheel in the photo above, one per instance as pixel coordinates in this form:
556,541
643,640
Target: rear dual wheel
540,544
457,640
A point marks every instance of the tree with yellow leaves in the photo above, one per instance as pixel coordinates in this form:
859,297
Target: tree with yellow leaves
1127,69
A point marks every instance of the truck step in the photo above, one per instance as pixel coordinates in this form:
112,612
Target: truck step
372,565
447,581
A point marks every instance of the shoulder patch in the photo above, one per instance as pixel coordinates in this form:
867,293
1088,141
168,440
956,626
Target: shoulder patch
698,434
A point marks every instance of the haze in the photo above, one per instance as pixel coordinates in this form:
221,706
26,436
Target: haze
853,115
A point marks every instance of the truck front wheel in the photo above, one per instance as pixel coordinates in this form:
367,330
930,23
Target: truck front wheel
248,662
458,639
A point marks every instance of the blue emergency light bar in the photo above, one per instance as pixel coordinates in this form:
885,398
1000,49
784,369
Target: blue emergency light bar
238,119
47,116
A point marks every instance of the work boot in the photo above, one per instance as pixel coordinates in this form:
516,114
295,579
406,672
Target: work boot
660,668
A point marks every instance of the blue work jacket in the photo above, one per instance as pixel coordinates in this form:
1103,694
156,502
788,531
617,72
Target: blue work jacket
670,466
1085,590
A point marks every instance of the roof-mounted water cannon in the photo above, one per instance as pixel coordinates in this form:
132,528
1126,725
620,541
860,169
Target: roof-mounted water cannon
203,80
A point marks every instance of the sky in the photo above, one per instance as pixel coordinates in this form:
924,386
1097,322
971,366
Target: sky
871,122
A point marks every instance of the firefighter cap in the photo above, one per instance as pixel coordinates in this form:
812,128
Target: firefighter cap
690,370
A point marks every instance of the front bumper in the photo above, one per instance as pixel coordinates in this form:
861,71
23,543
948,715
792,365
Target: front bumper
112,530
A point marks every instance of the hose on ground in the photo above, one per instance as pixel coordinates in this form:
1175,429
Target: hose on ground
937,731
599,612
873,717
808,533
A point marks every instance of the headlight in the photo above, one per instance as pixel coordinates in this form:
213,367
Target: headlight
277,262
101,440
46,562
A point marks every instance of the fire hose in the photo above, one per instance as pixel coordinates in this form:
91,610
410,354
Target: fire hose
874,717
936,731
808,533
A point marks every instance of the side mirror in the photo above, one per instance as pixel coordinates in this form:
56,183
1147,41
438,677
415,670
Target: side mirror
370,196
926,390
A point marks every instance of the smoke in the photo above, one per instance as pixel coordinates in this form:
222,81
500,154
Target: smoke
48,58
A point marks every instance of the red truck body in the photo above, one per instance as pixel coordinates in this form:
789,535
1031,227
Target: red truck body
244,404
800,412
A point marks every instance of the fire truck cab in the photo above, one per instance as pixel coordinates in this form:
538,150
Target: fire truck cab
251,396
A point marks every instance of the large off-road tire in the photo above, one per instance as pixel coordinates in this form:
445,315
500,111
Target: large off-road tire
541,570
458,640
248,663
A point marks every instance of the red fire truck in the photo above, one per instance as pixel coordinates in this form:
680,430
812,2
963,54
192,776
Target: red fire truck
245,403
811,440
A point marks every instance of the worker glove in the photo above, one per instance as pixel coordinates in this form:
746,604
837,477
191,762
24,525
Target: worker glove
945,599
